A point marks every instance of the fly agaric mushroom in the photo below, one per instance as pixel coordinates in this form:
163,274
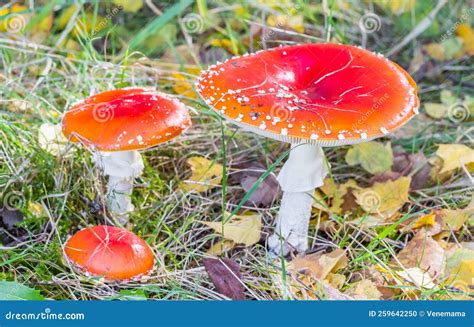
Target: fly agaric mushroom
111,252
312,96
118,123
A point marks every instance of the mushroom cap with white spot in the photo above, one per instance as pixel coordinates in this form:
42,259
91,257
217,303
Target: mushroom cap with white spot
108,251
126,119
326,94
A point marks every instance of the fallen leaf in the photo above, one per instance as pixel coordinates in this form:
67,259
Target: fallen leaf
384,198
205,175
242,229
425,253
265,193
454,156
293,22
454,219
428,220
465,32
374,157
364,289
460,266
129,6
226,277
220,247
183,82
415,165
436,110
52,139
336,280
417,277
319,264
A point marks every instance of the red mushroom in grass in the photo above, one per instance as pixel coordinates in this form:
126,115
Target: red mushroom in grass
118,124
111,252
312,96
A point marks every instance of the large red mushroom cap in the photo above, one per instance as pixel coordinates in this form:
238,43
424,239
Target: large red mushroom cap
126,119
326,94
111,252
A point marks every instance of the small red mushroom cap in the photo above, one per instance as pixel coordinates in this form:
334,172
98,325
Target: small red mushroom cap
126,119
326,94
111,252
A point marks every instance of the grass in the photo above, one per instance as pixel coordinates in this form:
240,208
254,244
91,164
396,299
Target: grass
61,195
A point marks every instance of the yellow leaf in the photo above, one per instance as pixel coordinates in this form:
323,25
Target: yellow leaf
83,22
364,289
319,264
436,51
384,198
374,157
465,32
454,156
436,110
226,44
183,83
287,21
37,209
460,266
205,175
16,20
336,280
397,7
129,5
428,220
241,229
454,219
220,247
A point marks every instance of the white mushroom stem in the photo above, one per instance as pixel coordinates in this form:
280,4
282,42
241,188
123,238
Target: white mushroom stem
304,171
122,168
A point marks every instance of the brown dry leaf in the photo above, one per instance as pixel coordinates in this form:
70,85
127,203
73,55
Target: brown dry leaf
247,175
364,289
319,264
220,247
454,156
425,253
242,229
226,277
385,198
205,175
431,223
